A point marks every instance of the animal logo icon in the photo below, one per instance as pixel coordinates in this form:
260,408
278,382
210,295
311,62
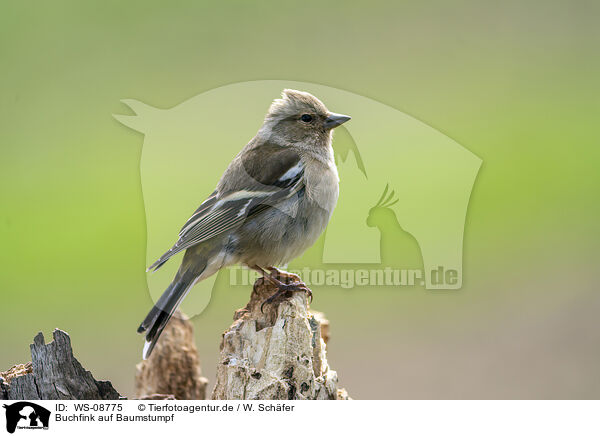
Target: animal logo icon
397,246
25,414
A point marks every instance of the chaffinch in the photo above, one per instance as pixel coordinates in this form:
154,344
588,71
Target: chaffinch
273,201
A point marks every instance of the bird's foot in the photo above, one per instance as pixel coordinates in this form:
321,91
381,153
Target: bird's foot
285,290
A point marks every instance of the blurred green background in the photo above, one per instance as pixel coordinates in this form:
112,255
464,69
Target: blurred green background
515,83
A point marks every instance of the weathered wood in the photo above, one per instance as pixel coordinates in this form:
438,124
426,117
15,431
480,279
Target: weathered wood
278,354
173,368
53,374
275,355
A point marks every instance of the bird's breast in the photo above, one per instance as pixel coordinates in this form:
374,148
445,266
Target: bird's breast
322,185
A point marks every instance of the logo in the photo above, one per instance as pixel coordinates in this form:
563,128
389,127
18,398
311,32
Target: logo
404,188
26,415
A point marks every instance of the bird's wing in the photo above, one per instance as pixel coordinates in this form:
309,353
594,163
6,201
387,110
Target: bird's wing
259,184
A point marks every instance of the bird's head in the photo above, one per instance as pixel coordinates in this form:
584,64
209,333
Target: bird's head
299,117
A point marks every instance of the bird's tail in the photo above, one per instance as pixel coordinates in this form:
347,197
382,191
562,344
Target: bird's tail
163,310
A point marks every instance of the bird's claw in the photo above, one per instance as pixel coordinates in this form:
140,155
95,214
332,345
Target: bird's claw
285,291
271,299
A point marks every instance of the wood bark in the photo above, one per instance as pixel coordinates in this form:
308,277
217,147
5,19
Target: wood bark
53,374
173,369
276,355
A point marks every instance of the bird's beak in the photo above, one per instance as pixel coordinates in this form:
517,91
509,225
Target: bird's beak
334,120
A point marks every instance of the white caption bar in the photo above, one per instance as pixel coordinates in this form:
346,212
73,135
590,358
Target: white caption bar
303,417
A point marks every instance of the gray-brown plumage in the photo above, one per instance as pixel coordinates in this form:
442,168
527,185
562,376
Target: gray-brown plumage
273,201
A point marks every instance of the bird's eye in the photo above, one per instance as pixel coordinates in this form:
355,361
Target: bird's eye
306,118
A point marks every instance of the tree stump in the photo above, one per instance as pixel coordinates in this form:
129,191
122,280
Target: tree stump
173,369
53,374
276,355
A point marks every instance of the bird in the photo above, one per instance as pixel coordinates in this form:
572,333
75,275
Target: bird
271,204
